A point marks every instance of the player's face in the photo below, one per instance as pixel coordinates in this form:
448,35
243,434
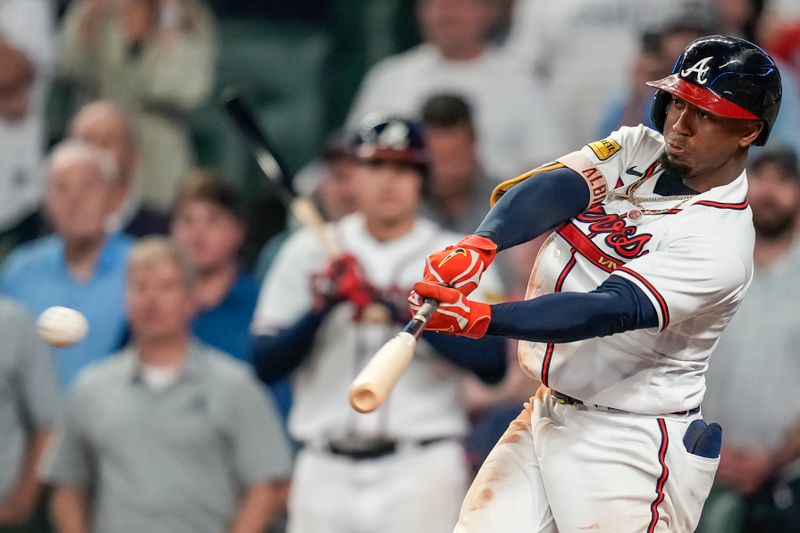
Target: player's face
78,200
775,199
208,234
701,144
158,301
386,192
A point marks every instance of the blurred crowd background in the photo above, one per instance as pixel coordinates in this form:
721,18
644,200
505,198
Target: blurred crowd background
112,131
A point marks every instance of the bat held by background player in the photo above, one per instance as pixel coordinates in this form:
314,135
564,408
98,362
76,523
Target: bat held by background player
301,208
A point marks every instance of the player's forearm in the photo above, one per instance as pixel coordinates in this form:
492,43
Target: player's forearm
255,511
535,206
485,357
275,356
616,306
70,510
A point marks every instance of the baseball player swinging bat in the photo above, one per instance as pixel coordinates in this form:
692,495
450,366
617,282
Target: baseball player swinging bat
302,208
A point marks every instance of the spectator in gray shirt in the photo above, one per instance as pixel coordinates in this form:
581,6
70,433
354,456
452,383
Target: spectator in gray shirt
168,435
28,399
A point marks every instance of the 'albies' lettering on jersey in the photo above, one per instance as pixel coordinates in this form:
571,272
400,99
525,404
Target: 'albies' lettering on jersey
590,171
597,184
620,237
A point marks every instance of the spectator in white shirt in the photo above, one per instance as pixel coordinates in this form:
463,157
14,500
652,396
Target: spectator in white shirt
514,123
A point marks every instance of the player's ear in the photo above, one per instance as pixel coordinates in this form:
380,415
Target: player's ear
750,132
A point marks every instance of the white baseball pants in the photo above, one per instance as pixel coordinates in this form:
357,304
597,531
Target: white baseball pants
572,469
415,490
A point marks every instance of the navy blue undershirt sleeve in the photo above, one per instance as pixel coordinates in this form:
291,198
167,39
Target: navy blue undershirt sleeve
615,306
275,356
534,206
485,357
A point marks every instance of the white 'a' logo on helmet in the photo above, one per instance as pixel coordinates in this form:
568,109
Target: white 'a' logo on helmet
395,135
700,68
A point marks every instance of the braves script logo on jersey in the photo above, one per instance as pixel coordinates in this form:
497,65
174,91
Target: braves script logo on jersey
700,68
621,237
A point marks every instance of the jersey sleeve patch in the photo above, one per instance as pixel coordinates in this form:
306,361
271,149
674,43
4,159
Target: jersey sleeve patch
605,148
580,163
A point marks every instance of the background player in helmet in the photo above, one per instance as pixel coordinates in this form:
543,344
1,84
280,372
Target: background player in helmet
651,255
400,468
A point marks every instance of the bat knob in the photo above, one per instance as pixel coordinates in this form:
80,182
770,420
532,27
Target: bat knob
364,399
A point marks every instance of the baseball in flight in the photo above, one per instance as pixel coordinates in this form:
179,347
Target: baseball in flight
61,326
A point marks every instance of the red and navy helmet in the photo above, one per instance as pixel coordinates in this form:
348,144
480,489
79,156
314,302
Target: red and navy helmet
390,139
725,76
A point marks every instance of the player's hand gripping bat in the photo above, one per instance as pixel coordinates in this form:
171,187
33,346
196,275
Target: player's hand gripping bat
301,208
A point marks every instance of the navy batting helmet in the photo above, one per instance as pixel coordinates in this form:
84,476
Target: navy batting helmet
394,139
725,76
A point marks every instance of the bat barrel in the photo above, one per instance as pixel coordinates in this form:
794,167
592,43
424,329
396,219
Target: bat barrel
370,389
374,383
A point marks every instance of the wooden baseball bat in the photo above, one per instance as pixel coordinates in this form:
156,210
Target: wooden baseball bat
301,208
374,383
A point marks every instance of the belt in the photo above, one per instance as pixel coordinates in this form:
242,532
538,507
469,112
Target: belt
379,449
562,398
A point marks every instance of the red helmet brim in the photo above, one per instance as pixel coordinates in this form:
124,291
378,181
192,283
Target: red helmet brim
701,97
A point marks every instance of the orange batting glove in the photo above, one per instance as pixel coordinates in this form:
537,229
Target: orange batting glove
456,314
461,265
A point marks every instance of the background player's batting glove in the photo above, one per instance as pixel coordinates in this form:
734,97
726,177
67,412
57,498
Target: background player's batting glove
456,314
342,281
462,264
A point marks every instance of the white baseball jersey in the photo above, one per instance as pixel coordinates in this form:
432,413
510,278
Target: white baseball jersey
426,401
692,257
